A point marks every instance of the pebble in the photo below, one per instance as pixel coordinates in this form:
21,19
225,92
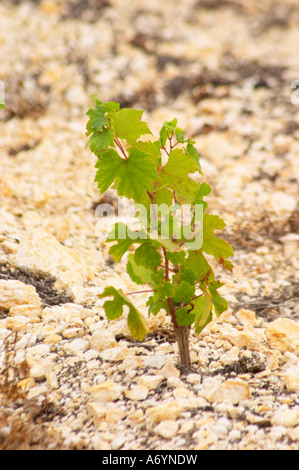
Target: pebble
13,293
292,379
39,370
106,391
77,346
164,412
118,443
287,417
167,429
151,382
115,415
231,391
102,339
193,379
97,411
33,312
69,333
114,354
26,384
139,392
283,334
247,337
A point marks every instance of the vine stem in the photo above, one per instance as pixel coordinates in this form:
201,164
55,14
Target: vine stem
181,332
140,292
120,147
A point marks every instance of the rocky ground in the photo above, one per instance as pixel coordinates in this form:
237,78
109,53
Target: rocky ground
68,378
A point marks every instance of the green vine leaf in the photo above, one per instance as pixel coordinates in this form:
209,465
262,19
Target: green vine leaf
197,263
203,190
114,309
127,125
175,175
97,118
140,274
202,311
167,130
148,256
125,238
151,149
131,176
193,153
101,141
213,245
184,292
184,318
220,303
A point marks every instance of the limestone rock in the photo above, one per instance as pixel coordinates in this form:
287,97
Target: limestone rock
40,253
115,414
102,339
193,379
283,334
164,412
247,316
287,417
68,313
52,380
169,370
18,323
281,203
97,411
106,391
156,362
231,391
247,337
39,370
74,332
14,293
167,428
118,442
33,312
137,393
150,381
77,346
114,354
292,379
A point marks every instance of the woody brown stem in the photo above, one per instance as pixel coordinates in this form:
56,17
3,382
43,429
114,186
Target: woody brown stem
181,332
182,336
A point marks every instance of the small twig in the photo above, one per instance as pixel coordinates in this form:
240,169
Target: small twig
140,292
120,147
165,149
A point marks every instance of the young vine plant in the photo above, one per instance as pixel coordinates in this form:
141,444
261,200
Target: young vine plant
162,177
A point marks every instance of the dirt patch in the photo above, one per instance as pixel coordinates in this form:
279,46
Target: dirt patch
243,365
86,10
261,230
24,98
270,306
44,286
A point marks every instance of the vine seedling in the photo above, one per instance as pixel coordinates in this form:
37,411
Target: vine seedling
170,250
